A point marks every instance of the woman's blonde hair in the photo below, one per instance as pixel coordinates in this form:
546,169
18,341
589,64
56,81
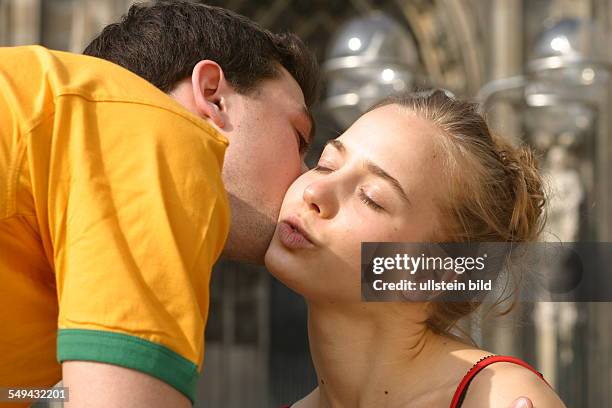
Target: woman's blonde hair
495,190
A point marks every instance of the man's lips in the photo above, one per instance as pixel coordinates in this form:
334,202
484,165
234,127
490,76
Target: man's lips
292,234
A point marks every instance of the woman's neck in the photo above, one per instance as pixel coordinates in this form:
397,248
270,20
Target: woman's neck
366,358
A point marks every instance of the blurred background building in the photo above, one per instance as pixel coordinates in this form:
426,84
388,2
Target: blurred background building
541,68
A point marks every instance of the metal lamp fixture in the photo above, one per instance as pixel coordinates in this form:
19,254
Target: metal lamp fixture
369,58
566,73
567,65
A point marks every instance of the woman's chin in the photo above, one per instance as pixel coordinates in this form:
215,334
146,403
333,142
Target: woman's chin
284,267
269,259
276,260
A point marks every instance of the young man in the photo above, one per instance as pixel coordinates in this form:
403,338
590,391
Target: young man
112,204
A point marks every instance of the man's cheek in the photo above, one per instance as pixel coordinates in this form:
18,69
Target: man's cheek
278,188
286,174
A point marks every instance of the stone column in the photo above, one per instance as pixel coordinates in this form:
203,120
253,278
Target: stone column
25,22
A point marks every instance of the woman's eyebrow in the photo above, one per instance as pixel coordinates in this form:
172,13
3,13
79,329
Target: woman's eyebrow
337,144
379,172
375,170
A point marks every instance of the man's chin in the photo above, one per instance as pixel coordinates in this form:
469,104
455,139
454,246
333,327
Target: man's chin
247,249
250,234
243,255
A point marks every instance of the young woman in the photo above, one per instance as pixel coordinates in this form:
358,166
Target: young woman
415,168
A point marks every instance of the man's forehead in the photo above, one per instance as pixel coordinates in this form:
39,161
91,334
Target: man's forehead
284,84
285,93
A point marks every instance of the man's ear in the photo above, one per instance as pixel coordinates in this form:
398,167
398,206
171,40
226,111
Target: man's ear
207,81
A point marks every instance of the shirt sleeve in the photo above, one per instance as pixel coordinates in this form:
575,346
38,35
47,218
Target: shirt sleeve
137,215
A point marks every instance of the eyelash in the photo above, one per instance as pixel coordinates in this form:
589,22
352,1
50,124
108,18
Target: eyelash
302,143
362,195
321,169
369,202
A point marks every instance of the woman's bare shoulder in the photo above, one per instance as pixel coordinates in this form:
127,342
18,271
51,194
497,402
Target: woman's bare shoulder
309,401
499,384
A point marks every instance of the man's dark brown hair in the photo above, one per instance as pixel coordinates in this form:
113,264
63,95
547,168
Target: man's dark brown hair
162,41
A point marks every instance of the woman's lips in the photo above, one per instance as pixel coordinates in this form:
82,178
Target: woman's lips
292,238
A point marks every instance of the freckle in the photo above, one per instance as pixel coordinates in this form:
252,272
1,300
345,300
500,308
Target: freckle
386,392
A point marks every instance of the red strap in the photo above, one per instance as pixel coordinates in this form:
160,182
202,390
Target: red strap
479,366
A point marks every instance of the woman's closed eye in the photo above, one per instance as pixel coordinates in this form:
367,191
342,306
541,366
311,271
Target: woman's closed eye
369,201
322,169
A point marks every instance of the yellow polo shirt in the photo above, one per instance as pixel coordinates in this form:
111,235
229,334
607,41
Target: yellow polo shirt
112,213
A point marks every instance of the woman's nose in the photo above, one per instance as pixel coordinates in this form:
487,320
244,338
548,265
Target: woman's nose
321,197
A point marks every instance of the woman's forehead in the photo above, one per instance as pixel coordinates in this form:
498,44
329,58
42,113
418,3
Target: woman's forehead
394,132
400,143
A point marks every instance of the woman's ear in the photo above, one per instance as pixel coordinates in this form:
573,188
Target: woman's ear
207,82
